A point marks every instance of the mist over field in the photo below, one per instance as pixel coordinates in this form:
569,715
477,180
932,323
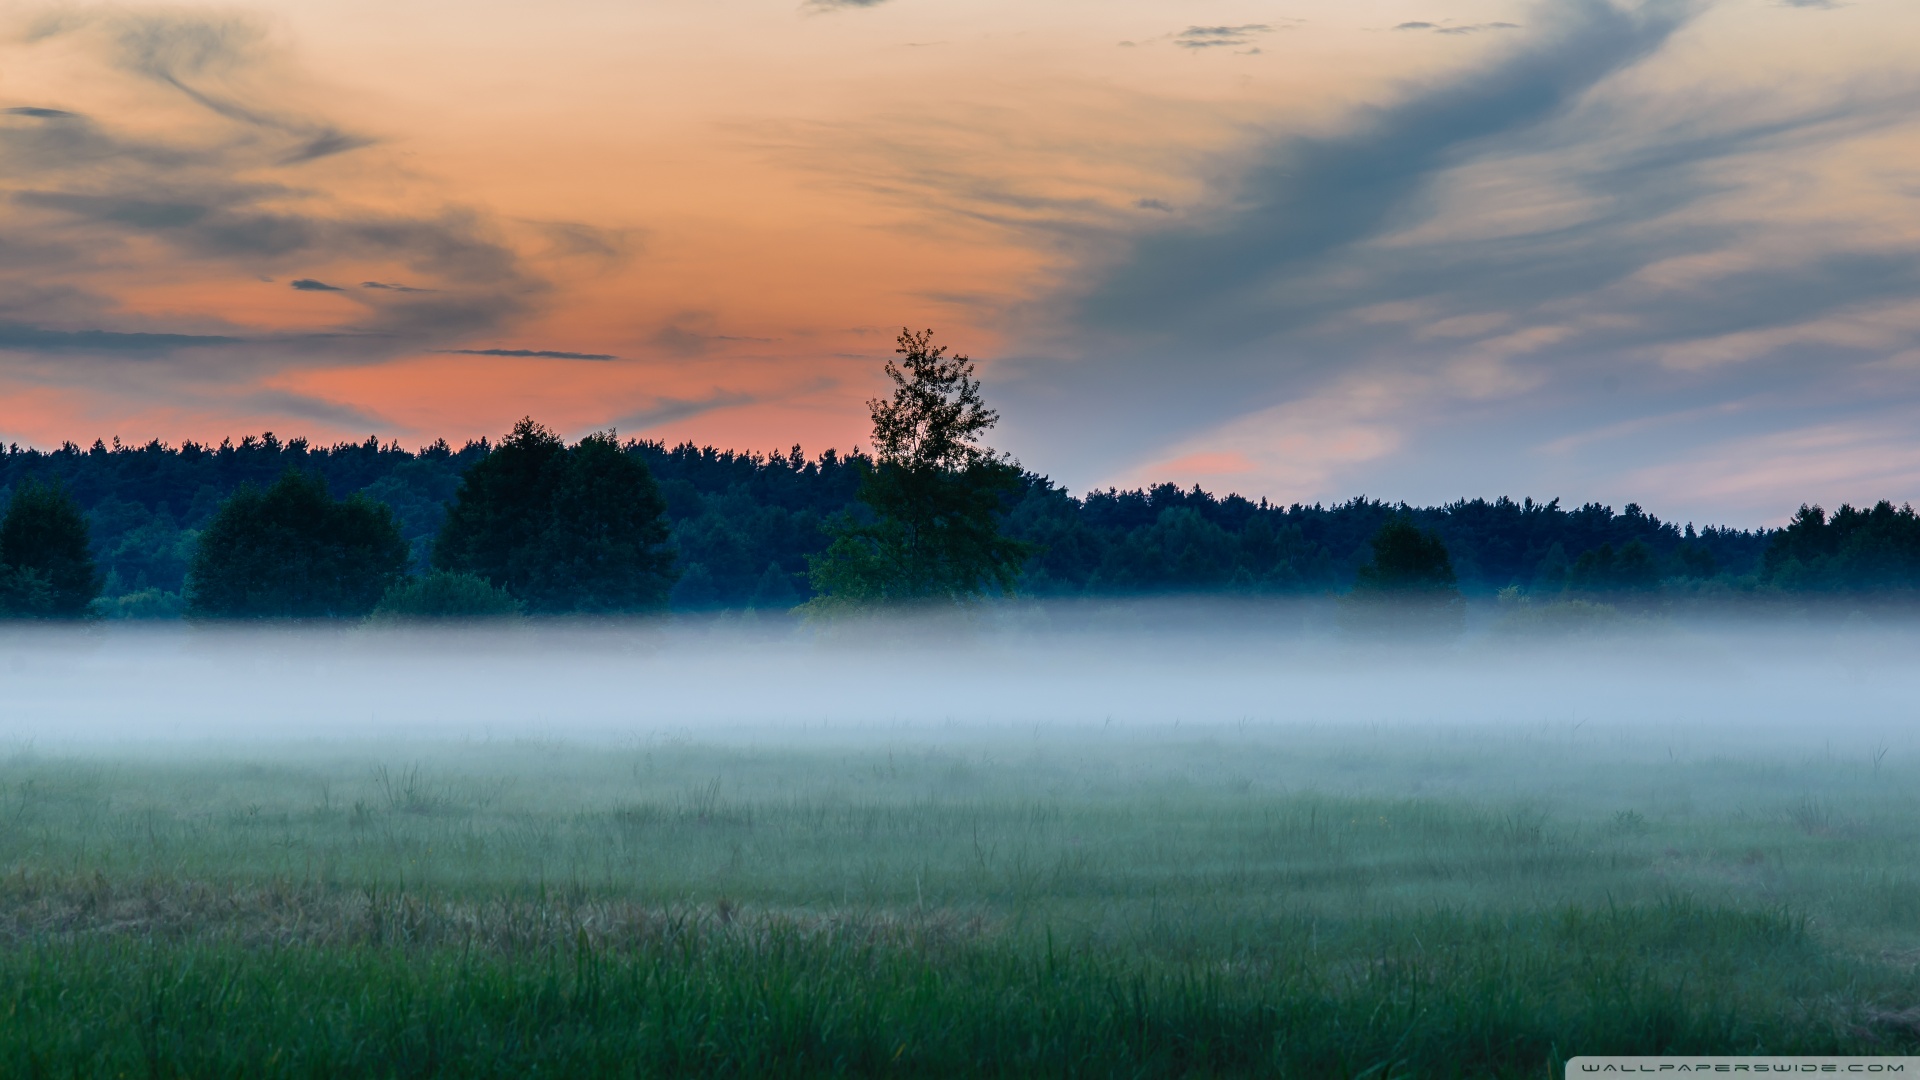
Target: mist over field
1157,837
1710,686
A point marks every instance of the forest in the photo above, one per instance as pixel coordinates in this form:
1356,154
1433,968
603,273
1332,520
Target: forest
531,524
743,526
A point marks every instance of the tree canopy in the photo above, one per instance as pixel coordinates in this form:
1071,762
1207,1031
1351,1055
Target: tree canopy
46,562
294,551
1407,560
935,492
732,514
1408,585
562,529
1853,550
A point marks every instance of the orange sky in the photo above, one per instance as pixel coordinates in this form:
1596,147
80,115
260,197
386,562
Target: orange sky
741,202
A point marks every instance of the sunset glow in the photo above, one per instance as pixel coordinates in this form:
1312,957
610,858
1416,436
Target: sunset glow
1652,251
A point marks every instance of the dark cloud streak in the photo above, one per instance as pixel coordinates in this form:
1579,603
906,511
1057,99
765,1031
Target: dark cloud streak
1306,198
665,410
547,354
1212,37
1538,245
37,339
82,202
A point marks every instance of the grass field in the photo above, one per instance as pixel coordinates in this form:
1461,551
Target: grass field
1251,900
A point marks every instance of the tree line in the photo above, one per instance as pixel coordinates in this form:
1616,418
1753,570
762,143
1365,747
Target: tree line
532,524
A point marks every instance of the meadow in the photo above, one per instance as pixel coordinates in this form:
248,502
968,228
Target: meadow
1311,900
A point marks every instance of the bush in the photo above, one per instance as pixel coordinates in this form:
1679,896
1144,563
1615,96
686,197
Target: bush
145,604
445,594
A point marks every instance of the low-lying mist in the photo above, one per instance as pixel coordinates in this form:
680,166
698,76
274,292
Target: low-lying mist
1036,669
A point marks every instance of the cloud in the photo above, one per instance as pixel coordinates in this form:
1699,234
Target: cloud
308,407
325,144
690,333
549,354
836,5
1212,37
1468,28
666,409
38,339
575,239
173,49
1302,199
207,181
1153,204
1543,243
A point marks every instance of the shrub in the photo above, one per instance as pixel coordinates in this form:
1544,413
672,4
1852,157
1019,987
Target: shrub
445,594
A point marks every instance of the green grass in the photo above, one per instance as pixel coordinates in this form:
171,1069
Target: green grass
1301,902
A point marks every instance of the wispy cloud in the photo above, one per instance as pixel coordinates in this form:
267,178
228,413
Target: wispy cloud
692,333
666,409
1505,246
1301,200
1457,28
38,339
308,407
210,181
1215,37
542,354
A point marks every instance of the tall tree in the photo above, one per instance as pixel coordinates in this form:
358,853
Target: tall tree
936,491
604,548
293,551
45,554
494,524
1408,585
563,529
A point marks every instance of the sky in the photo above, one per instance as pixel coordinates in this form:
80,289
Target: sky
1651,251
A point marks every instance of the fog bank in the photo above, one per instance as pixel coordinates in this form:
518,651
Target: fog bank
1109,666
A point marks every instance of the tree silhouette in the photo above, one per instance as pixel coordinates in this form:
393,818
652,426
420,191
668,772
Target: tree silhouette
293,551
580,529
1408,586
935,489
45,558
1407,560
